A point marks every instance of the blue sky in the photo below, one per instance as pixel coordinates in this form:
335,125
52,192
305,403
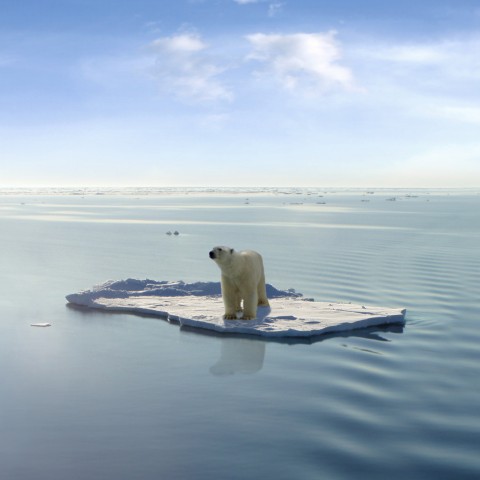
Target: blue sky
240,93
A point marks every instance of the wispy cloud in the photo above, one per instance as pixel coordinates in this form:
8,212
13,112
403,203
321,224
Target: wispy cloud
184,68
307,62
427,79
449,57
275,8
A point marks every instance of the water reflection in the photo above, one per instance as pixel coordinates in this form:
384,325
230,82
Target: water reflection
239,356
245,354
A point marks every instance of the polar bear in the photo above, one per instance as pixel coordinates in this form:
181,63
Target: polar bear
243,278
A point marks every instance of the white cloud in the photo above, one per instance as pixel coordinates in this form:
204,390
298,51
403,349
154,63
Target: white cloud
184,43
183,68
244,2
306,62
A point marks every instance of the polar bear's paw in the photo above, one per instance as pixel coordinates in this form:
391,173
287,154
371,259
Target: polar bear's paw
230,316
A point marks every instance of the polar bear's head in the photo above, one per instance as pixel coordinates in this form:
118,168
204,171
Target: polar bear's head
221,254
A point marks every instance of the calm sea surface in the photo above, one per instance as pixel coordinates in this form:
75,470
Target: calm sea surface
123,397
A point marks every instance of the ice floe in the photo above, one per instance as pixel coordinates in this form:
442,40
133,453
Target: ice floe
199,305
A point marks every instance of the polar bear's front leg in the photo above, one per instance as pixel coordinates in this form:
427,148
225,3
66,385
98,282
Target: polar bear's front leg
250,302
230,299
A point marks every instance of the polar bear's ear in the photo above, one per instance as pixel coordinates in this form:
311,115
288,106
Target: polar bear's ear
231,250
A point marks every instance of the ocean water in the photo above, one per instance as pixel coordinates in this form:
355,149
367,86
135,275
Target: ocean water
115,396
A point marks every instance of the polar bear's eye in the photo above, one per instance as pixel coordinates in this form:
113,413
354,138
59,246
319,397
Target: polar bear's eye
219,249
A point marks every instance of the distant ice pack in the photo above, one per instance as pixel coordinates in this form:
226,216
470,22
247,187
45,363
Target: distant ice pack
200,305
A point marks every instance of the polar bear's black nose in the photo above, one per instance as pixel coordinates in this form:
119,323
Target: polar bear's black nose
211,254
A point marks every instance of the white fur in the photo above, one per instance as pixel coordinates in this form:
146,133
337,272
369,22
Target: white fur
243,278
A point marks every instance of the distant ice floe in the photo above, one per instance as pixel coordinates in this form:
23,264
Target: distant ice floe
200,305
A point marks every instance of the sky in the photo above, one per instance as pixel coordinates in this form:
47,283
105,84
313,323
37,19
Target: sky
337,93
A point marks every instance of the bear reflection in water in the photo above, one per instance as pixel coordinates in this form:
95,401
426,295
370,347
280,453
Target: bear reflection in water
239,355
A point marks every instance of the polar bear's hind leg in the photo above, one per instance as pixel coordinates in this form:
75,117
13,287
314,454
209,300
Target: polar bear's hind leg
262,293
